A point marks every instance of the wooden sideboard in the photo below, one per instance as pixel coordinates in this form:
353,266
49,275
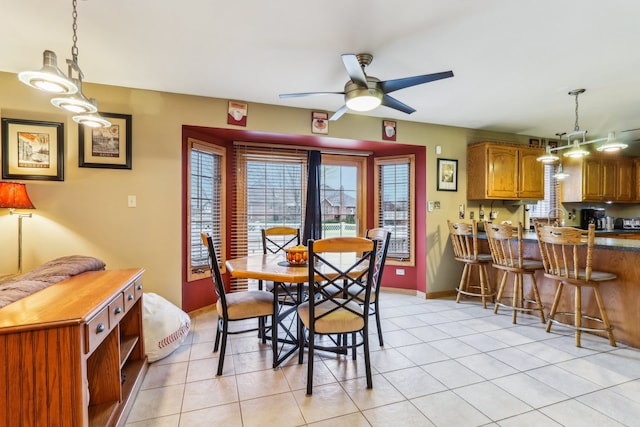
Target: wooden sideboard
73,353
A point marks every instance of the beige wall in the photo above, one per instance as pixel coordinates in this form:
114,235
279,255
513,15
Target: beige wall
87,213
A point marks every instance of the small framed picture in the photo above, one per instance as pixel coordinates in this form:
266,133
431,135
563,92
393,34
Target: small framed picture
552,143
389,130
319,122
447,175
106,147
237,113
32,150
535,143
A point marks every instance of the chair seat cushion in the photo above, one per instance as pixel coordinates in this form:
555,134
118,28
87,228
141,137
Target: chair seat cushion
596,276
532,264
246,304
339,321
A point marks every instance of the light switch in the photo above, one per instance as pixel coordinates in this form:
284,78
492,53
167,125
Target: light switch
131,201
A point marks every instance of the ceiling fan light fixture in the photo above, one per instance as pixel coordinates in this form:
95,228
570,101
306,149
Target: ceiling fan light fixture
50,78
363,99
612,144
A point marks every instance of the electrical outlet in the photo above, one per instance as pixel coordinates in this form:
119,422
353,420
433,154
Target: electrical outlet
436,205
430,206
471,215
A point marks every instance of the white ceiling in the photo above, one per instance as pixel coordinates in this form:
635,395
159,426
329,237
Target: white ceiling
514,61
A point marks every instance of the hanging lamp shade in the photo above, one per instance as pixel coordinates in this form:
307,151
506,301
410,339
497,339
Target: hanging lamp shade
14,196
76,103
548,156
50,78
612,144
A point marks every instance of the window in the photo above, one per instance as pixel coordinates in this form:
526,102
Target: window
394,199
206,207
543,207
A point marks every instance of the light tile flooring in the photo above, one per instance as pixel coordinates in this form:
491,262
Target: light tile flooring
443,364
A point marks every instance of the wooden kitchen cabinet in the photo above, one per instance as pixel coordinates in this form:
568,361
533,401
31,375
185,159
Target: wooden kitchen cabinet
598,178
504,171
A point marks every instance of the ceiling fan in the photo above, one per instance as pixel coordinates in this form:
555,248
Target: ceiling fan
364,93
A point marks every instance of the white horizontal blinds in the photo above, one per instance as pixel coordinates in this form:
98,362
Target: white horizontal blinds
206,207
551,189
394,194
270,191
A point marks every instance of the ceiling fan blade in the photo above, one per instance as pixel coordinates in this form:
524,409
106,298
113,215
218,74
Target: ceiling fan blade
393,85
355,71
339,113
298,95
391,102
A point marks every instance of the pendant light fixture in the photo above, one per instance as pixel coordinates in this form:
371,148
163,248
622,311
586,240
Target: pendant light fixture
50,78
612,144
548,156
560,174
579,136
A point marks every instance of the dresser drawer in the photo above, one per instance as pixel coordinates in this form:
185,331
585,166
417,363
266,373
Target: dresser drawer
138,288
117,309
129,296
96,330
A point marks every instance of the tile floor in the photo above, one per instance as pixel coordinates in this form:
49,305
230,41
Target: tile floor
443,364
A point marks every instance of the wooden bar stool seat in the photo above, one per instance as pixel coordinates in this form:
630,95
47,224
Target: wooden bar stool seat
567,254
505,243
464,239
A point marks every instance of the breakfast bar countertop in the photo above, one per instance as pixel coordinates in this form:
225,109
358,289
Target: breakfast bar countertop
608,243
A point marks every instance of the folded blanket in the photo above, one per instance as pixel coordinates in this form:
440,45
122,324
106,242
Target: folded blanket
13,288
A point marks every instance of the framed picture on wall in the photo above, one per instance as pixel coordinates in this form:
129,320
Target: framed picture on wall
320,122
32,150
106,147
447,175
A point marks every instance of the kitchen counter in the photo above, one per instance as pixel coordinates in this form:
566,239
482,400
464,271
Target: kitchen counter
617,255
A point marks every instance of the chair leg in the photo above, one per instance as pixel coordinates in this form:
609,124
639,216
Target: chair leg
367,358
604,317
503,281
517,297
482,276
578,313
216,344
536,295
464,281
353,345
488,288
309,364
554,307
223,347
378,325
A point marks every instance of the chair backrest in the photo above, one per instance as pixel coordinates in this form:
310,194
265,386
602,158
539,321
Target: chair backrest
505,244
276,239
216,277
382,236
566,252
464,238
341,270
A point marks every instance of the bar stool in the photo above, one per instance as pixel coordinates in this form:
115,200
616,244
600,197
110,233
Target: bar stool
505,243
464,238
565,261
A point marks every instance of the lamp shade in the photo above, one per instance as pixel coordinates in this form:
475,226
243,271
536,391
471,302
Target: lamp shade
14,196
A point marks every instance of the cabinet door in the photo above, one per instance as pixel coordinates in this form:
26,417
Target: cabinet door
609,178
591,174
502,176
531,175
624,181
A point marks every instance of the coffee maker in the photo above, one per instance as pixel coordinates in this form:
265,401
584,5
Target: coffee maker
595,216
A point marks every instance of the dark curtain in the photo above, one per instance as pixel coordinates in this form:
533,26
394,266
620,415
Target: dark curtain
313,213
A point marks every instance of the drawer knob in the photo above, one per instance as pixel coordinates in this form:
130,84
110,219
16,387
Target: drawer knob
118,310
139,287
130,297
100,328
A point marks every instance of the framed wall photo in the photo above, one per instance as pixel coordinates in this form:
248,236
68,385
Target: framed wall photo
237,113
447,175
106,147
32,150
320,122
389,130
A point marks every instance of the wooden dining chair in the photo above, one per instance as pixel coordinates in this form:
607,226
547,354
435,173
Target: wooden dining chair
341,271
274,241
507,251
235,306
464,239
567,255
383,237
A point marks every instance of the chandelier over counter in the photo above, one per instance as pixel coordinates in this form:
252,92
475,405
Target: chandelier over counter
577,138
51,79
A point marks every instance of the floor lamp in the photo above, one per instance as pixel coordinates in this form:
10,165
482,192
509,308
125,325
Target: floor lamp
14,196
